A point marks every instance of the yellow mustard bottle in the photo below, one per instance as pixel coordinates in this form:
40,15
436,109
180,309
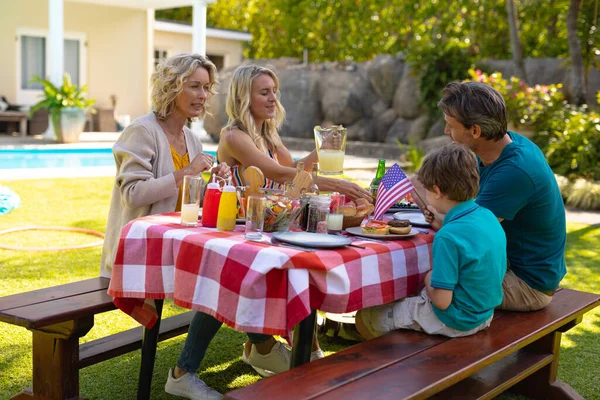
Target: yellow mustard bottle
228,208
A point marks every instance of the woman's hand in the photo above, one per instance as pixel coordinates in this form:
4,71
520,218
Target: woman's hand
222,171
433,217
354,191
202,162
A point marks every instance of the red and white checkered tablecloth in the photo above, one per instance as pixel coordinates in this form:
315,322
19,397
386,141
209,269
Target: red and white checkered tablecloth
255,287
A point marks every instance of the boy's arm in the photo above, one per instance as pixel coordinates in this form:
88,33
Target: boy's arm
441,298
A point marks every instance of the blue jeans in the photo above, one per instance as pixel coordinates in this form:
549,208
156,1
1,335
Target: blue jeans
203,329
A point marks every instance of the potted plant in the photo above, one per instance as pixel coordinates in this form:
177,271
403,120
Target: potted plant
67,107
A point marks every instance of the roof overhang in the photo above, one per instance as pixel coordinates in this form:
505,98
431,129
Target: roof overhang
141,4
174,27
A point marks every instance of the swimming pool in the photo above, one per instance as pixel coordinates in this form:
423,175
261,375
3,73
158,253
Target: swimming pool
43,158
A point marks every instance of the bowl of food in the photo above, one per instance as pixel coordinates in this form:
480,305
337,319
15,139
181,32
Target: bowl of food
280,212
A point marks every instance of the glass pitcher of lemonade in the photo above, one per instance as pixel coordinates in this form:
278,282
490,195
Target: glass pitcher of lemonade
331,147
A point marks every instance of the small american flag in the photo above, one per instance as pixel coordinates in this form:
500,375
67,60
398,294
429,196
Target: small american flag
394,185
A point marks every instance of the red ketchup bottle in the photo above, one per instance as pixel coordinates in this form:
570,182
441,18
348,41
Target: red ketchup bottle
210,207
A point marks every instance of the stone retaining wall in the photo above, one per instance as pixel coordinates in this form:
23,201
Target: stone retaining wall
377,101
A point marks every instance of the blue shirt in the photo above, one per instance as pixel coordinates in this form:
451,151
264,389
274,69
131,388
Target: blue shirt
521,188
469,258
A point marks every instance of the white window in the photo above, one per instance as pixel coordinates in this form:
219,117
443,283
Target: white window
159,55
32,59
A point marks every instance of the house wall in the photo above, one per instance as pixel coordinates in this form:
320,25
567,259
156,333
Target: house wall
118,53
176,43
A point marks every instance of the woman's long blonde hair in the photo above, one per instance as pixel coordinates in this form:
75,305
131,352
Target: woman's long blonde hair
266,137
168,79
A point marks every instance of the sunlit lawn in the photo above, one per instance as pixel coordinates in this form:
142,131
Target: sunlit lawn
84,203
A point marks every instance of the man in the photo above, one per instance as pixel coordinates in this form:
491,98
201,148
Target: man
518,186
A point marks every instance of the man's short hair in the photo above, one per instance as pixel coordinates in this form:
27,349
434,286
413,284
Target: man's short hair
475,103
453,168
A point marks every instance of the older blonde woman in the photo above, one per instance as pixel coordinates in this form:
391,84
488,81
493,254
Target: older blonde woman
157,150
251,136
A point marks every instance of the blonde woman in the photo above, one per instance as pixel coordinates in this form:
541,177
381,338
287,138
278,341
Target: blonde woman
153,154
251,136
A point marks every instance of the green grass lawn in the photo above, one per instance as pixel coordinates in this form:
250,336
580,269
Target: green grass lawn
84,203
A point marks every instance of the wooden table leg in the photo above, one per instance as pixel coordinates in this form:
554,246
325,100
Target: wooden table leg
55,358
303,339
149,342
543,383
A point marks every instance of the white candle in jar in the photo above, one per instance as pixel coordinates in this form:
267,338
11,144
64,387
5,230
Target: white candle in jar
335,222
189,214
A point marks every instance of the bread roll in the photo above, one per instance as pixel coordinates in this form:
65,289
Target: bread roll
348,209
362,210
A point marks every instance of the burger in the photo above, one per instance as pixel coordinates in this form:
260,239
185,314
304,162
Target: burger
400,226
375,227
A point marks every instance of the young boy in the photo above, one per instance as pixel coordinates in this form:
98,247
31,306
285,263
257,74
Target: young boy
469,257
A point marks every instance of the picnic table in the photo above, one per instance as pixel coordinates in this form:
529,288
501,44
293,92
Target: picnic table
257,287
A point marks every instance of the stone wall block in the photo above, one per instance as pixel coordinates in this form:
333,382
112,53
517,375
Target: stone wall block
335,91
300,99
384,73
399,130
437,129
408,95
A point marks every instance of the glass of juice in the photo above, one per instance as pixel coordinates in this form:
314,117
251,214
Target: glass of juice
331,148
190,201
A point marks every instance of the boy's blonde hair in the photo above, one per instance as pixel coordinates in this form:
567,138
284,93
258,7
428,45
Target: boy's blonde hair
238,108
170,75
453,168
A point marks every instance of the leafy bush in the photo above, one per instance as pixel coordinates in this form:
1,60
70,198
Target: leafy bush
574,151
530,106
437,62
568,135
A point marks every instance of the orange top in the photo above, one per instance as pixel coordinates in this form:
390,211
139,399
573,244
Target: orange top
179,161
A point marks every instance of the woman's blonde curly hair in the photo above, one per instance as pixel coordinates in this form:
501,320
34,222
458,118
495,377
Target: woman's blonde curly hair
266,136
170,75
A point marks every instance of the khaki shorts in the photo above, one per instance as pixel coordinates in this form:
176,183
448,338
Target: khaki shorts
416,313
519,296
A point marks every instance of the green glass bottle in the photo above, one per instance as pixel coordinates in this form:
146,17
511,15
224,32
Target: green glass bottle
377,180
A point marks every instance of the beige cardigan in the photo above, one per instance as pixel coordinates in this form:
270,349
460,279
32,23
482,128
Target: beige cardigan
144,183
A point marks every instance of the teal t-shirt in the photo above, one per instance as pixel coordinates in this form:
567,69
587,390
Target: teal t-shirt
469,258
520,187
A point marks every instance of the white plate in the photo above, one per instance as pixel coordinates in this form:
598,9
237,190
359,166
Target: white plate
416,218
357,230
309,239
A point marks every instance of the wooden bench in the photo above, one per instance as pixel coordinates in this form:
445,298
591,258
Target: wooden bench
519,351
59,316
16,116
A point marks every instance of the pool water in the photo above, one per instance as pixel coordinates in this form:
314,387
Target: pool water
57,158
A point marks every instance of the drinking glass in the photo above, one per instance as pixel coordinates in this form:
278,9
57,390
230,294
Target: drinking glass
335,218
255,217
190,201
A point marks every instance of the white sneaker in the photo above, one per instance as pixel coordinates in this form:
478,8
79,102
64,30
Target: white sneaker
315,355
262,372
278,359
190,387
